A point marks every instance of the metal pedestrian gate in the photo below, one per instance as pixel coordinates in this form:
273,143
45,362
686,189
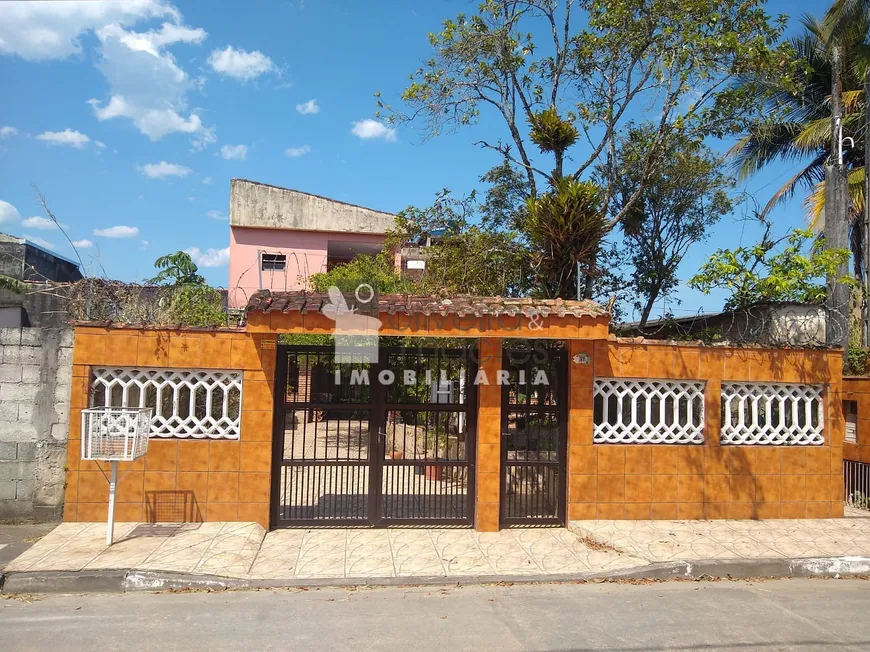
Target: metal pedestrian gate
374,443
534,427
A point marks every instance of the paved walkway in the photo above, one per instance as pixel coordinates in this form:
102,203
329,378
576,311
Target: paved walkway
246,551
662,541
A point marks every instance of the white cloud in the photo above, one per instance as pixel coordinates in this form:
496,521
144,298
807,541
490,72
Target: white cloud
209,257
232,152
146,85
35,239
308,107
240,64
207,180
100,144
295,152
117,232
39,223
8,212
82,244
143,245
368,129
163,169
39,31
217,215
66,137
6,132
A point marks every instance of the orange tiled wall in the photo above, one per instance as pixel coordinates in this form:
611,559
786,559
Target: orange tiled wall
643,481
858,389
179,479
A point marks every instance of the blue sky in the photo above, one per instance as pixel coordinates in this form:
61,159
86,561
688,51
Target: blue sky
132,116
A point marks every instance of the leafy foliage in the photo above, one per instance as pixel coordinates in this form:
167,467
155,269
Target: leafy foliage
191,302
177,269
12,284
760,273
379,271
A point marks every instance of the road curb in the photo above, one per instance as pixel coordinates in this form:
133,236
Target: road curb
131,580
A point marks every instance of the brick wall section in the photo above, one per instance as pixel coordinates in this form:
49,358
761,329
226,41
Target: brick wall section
179,479
643,481
35,377
858,389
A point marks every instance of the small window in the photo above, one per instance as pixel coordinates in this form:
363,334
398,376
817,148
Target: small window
850,410
274,262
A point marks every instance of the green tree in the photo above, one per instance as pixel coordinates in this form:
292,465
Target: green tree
774,269
379,271
187,299
685,195
177,269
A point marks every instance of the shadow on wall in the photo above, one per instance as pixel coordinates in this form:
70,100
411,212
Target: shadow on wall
171,507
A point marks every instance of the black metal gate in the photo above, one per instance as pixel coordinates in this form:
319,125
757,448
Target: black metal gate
534,433
385,443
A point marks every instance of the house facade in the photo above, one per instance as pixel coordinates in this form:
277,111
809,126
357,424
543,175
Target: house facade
280,237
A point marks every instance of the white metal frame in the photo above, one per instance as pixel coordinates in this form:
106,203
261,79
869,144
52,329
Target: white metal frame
779,414
648,411
175,393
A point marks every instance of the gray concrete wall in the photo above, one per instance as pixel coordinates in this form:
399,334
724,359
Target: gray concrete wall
35,382
269,207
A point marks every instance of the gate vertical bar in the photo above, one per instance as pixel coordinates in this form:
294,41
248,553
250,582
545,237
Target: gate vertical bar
489,420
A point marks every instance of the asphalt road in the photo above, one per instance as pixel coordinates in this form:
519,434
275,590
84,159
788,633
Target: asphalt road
706,616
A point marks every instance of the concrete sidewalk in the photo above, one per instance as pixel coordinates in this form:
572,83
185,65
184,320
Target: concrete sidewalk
144,556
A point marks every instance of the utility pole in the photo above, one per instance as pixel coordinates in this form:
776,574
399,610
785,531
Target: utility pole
836,202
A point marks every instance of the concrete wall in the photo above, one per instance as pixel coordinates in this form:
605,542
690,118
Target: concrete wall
261,206
35,382
306,253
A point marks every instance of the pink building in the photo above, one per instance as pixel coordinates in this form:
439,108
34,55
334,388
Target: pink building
280,237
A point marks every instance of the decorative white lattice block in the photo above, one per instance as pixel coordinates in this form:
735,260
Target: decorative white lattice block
186,403
648,411
781,414
115,434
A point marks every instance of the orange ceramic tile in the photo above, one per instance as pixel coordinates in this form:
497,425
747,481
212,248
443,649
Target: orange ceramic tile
223,488
633,361
661,361
687,363
92,512
580,400
489,426
716,489
742,488
690,489
836,487
581,374
793,510
193,485
768,510
121,350
256,512
256,395
184,351
794,488
162,455
222,512
711,364
153,351
486,517
611,459
582,511
130,488
246,354
637,511
768,460
89,349
691,511
742,511
256,456
488,487
716,461
563,327
254,487
611,488
580,430
582,459
215,352
605,362
818,488
193,455
742,460
664,488
664,511
582,488
488,458
818,510
159,481
223,456
256,425
611,511
128,512
714,511
638,460
737,364
638,489
794,460
92,487
664,460
768,488
690,460
837,509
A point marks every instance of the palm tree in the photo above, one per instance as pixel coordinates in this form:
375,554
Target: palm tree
799,126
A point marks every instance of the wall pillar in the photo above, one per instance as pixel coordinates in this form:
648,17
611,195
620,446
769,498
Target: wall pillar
488,463
582,456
